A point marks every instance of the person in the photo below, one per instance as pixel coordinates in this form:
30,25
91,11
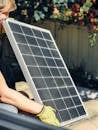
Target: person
15,98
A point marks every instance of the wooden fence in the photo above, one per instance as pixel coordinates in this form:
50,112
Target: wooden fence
73,44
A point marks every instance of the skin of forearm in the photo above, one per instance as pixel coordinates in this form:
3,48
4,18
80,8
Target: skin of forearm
17,99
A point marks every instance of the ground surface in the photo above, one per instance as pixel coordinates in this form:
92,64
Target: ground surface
91,121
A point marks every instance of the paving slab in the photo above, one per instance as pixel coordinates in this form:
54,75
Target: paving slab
91,121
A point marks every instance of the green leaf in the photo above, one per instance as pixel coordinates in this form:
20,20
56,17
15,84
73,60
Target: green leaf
92,39
36,16
41,15
45,9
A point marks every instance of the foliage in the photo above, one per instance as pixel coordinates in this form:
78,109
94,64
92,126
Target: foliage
78,12
33,10
92,38
83,78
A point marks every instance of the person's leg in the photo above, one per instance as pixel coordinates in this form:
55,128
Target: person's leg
10,96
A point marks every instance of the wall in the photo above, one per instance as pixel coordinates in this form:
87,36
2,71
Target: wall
72,42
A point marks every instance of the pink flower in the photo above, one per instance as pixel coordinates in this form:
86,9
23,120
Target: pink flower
56,11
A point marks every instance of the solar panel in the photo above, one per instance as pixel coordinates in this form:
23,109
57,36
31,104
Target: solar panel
44,70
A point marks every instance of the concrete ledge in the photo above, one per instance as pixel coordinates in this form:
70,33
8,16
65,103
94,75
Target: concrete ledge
91,121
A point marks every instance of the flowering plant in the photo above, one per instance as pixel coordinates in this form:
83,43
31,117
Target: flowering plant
79,12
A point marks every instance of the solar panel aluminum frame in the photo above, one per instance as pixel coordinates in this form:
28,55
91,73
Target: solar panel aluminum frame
25,69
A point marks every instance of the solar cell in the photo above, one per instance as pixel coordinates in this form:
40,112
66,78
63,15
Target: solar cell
44,70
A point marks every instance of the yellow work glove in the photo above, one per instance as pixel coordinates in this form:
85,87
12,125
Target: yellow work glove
47,115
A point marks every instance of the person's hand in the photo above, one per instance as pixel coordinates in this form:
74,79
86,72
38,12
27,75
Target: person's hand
2,17
47,115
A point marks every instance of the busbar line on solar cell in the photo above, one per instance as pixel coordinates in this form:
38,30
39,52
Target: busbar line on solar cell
44,70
